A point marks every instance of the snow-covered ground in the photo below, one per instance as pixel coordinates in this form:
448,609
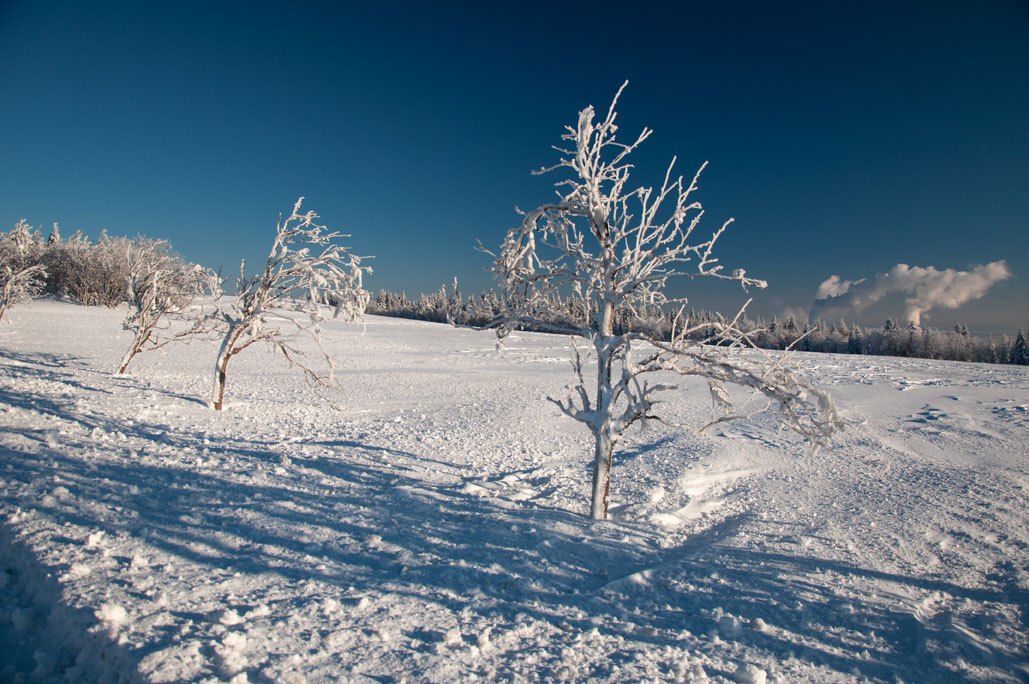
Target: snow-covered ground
432,530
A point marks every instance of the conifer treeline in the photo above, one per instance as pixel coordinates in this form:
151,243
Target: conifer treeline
837,337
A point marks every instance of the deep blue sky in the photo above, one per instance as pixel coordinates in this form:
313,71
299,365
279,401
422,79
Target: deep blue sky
843,137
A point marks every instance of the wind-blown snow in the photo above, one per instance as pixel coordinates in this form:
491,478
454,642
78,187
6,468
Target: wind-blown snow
434,529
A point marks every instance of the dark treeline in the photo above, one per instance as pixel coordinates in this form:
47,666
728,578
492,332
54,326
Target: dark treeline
838,337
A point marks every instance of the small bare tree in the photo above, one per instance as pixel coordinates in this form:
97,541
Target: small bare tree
305,272
611,250
163,294
22,276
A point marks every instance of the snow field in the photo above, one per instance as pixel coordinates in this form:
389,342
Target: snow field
433,528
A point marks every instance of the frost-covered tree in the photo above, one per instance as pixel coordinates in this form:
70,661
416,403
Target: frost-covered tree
22,276
612,249
305,272
162,290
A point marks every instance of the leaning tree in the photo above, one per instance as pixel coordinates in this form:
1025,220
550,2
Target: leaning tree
604,252
305,272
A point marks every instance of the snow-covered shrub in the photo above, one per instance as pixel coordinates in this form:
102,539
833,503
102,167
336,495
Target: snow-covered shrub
162,290
305,272
21,273
90,273
611,250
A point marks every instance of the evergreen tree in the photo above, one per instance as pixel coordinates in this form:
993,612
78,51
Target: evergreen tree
1019,352
929,349
855,345
911,341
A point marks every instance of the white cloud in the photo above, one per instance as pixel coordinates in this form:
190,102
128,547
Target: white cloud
929,289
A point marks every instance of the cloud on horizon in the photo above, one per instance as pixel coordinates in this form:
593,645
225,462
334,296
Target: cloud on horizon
929,289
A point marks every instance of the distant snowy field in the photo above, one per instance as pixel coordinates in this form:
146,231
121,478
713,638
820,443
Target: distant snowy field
433,529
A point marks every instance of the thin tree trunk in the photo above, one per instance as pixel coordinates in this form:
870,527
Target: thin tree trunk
602,429
129,354
221,364
219,382
602,473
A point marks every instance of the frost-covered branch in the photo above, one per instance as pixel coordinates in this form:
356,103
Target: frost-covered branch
306,272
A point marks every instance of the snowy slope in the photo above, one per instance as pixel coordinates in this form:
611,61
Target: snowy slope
432,529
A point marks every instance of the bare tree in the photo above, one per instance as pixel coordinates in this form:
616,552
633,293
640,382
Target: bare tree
22,276
163,293
305,272
612,250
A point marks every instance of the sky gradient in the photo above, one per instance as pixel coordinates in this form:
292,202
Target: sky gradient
845,138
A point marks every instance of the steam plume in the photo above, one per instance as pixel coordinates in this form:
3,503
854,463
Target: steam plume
928,287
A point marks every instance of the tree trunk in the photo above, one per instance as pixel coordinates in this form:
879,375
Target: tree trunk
221,363
129,353
602,472
602,428
219,382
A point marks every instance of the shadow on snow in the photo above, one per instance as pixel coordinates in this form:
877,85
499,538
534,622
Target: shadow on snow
363,519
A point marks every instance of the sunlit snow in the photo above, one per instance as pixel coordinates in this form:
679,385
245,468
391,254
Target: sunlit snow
434,529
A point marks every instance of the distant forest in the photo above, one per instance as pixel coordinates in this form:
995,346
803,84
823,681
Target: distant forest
837,337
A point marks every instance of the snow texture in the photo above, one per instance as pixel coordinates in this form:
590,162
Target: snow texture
435,530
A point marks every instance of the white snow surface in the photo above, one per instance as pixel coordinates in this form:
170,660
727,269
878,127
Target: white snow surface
433,529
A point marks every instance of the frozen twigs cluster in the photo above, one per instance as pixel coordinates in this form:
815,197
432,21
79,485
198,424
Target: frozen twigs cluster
306,272
612,249
163,292
728,357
